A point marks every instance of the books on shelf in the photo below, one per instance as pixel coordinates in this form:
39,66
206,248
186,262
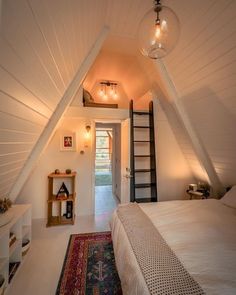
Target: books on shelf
12,269
12,239
25,246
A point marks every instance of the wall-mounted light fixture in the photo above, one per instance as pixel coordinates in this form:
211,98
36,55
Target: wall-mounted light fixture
87,135
158,31
108,89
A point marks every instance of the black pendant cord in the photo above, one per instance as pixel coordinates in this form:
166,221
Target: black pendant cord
157,9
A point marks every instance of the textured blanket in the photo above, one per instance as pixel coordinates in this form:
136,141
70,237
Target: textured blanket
161,268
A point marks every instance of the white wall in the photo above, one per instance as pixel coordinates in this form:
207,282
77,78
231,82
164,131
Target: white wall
173,172
35,190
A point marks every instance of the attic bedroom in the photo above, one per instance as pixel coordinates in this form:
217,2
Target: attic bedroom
117,147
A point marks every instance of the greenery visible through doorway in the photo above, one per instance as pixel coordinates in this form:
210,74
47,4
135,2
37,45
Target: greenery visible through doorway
103,164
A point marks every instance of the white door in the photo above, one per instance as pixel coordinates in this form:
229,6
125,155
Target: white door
125,161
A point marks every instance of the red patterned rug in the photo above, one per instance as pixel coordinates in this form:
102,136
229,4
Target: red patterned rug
89,266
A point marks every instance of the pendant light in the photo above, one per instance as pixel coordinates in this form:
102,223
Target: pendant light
108,89
158,31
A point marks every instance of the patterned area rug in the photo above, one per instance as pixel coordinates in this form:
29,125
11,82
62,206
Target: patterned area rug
89,266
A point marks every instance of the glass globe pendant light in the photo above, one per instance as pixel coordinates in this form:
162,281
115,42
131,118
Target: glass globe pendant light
158,31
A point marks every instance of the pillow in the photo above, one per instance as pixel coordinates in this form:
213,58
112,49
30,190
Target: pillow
229,198
87,97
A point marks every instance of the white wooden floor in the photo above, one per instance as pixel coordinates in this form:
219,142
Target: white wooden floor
41,269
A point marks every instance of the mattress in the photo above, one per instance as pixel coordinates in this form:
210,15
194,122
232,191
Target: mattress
200,232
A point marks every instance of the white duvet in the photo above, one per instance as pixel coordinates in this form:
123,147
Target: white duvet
202,233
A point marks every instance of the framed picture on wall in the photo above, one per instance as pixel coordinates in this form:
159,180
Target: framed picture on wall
68,142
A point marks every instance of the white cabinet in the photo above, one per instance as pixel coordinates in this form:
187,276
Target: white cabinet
12,256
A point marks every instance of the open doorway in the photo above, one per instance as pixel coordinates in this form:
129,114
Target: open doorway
103,156
107,167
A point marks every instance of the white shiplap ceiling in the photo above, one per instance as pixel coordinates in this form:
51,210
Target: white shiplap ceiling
44,42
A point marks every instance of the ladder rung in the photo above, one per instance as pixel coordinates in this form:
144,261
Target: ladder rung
143,170
142,127
142,156
143,141
141,113
144,185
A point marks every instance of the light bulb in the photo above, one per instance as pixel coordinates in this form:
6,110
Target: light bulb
112,92
164,27
105,97
115,96
101,92
158,31
87,135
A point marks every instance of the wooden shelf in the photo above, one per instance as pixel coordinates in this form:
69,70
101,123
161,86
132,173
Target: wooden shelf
55,205
62,175
53,198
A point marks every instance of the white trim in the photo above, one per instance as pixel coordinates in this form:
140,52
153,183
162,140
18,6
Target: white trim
197,144
58,114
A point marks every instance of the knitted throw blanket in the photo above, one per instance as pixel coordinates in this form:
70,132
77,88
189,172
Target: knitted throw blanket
162,270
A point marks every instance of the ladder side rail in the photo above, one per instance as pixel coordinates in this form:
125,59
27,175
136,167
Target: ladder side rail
152,153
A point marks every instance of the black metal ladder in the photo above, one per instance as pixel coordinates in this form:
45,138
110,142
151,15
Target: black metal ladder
147,139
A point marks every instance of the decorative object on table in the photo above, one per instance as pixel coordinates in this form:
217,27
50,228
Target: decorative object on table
158,32
5,204
12,269
12,239
201,190
68,171
89,265
57,171
69,209
68,142
25,246
2,284
204,188
63,192
192,187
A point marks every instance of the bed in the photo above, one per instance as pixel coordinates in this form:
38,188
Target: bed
200,233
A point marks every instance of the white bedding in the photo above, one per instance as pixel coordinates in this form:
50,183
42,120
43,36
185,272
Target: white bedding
202,233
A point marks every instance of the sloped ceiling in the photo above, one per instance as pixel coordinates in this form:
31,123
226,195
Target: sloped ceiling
203,70
43,43
41,48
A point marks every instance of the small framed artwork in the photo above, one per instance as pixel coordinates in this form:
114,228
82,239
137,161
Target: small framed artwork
68,142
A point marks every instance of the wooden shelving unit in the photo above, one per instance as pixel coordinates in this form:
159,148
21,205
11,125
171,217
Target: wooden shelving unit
20,226
58,208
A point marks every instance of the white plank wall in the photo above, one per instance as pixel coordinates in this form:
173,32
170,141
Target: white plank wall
42,45
203,70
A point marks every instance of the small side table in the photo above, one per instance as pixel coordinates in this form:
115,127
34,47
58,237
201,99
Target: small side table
201,194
